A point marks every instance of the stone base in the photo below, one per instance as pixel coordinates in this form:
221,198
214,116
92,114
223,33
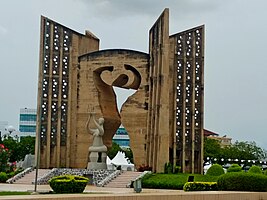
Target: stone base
94,165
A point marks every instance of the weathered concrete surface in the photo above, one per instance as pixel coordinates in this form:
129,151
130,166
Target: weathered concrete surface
164,118
122,68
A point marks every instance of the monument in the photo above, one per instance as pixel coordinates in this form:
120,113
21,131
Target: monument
164,117
98,151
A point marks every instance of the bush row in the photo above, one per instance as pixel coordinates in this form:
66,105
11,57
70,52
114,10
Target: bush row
235,180
241,181
5,176
173,181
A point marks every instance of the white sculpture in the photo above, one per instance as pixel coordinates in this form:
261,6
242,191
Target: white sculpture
98,151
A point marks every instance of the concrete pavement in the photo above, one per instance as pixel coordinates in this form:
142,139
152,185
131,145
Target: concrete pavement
89,189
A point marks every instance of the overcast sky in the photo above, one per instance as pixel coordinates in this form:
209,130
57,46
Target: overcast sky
235,55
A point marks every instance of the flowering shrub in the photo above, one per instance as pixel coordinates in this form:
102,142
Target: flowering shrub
200,186
4,158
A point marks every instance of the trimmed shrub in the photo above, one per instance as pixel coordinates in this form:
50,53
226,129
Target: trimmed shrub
68,184
255,169
215,170
200,186
234,168
241,181
265,172
3,177
173,181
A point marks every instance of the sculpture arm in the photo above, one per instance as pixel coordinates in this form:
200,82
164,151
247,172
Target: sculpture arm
99,127
88,125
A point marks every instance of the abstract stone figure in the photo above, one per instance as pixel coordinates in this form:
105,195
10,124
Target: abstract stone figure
98,151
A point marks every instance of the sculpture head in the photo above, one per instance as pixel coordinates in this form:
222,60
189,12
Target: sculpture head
101,121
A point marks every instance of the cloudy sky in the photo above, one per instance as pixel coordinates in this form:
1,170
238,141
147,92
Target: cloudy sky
235,56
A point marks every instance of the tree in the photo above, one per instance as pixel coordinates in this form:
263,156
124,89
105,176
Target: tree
237,151
114,150
13,146
244,151
129,154
19,149
26,146
212,148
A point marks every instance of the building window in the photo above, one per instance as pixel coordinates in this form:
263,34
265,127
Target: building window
27,117
27,128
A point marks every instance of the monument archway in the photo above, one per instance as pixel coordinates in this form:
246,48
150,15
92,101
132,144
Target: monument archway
164,118
121,68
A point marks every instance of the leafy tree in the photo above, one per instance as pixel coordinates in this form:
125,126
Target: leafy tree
129,154
27,146
12,144
114,150
244,151
239,150
19,149
212,148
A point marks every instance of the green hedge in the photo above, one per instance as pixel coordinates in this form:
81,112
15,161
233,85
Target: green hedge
215,170
241,181
163,181
234,168
255,169
200,186
68,184
173,181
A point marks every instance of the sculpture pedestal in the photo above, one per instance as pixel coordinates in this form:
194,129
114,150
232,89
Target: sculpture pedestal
93,165
97,159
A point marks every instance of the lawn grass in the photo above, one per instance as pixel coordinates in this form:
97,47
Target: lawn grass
6,193
173,181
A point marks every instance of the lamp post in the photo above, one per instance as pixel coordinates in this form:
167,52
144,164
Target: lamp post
37,160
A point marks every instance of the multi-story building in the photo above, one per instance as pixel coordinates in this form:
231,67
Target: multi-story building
27,122
223,140
122,138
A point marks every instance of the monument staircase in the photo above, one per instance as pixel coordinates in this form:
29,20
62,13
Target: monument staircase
29,178
123,180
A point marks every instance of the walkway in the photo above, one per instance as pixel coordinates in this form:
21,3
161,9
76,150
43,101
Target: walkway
104,193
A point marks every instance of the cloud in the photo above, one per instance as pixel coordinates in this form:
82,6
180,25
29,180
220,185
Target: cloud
3,30
119,8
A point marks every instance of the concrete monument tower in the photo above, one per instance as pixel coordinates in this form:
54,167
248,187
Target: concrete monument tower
164,117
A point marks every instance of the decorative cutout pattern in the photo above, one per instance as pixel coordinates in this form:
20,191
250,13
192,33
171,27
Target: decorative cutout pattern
55,81
189,89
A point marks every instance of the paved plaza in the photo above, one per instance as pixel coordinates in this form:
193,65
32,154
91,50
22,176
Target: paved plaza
103,193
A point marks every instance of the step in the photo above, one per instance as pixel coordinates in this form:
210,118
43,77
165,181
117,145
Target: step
30,177
123,179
